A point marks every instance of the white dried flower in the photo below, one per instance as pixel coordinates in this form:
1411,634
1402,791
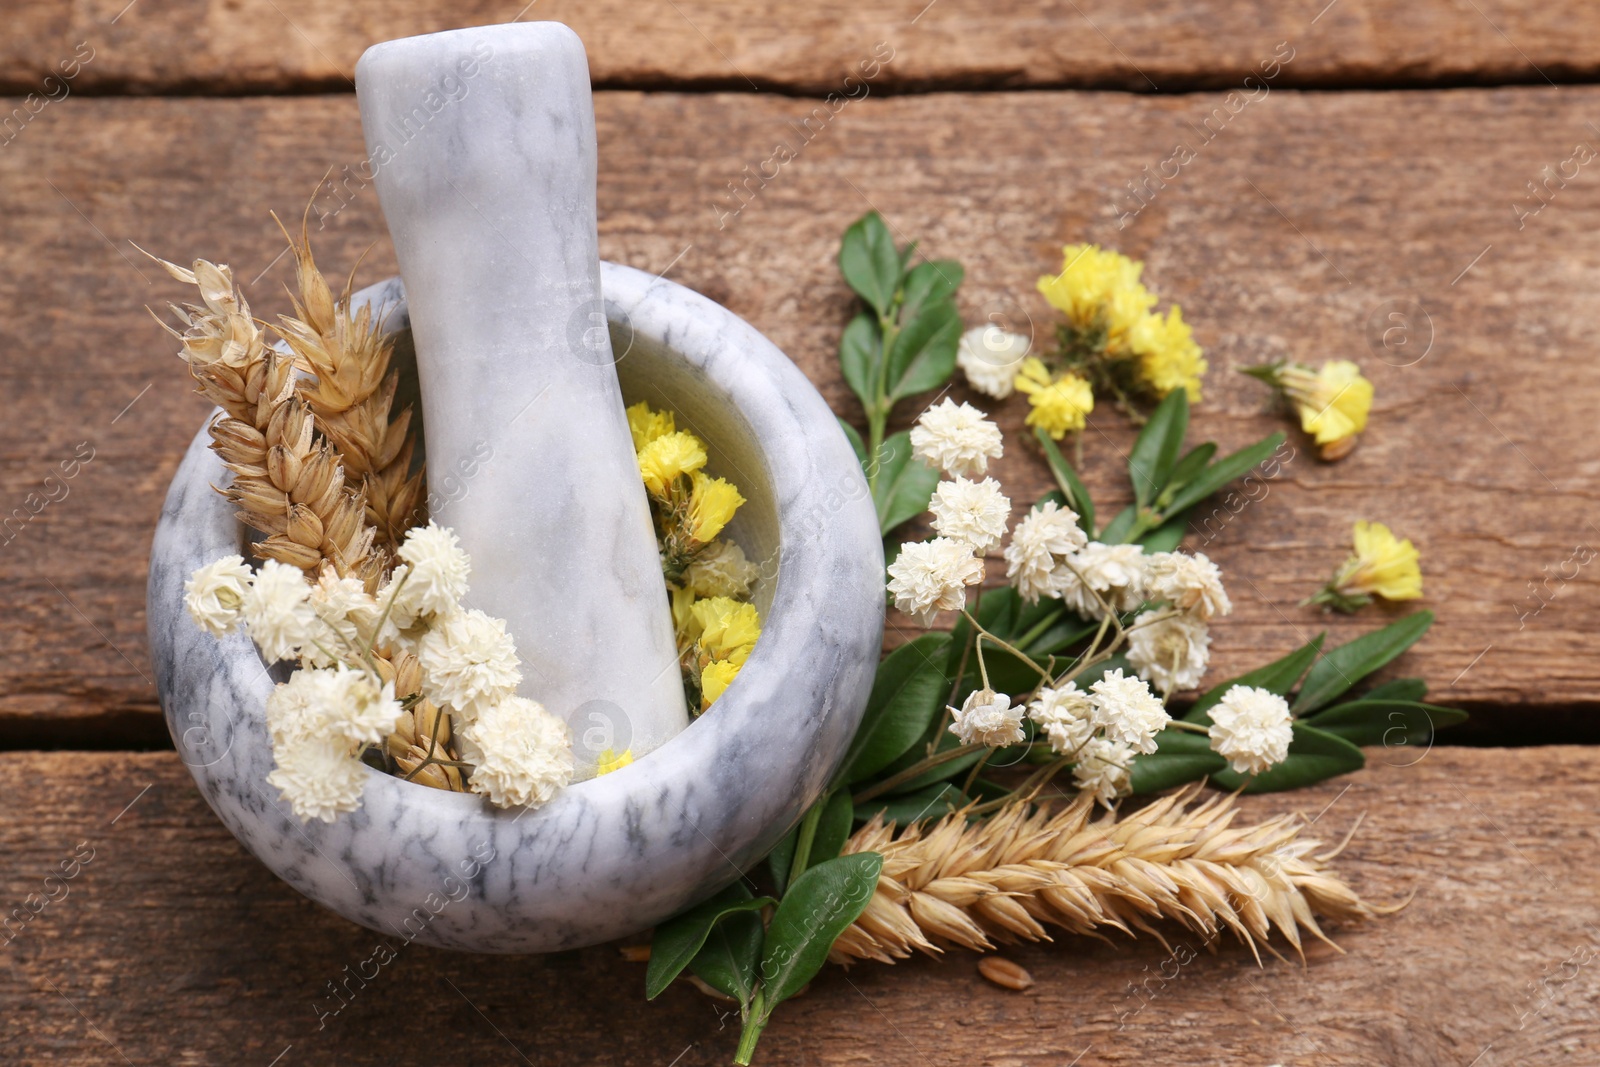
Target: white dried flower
1102,769
277,611
1066,716
522,754
957,439
319,777
720,569
335,702
468,661
931,576
438,571
1127,711
346,615
1250,728
987,718
1116,572
990,358
1170,653
973,512
1038,544
215,593
1190,583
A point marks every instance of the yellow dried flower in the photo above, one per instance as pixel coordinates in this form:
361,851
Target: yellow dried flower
612,760
727,629
1333,402
646,425
1058,406
1093,280
1168,356
712,502
714,679
665,459
1381,565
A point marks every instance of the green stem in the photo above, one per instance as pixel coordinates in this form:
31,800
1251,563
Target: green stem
986,635
1043,624
802,844
938,759
755,1022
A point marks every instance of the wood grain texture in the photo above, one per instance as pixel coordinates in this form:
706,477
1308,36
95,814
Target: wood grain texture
1306,218
173,946
256,46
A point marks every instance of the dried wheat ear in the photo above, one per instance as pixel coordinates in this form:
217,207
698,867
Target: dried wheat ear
288,482
1007,878
320,464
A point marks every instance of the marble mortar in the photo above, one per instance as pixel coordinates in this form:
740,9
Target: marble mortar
612,855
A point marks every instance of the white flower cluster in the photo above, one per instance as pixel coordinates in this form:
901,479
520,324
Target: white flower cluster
1101,729
969,517
335,705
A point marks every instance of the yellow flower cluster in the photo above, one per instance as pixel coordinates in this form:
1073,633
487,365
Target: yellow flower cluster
1112,339
704,575
669,462
721,632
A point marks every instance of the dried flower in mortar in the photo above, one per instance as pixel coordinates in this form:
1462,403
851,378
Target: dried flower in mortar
1380,565
1332,401
706,576
340,705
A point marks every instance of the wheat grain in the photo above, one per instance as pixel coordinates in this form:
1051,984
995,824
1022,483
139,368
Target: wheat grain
351,392
1009,877
288,482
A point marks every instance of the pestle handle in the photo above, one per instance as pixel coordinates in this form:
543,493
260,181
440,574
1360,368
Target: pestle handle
483,144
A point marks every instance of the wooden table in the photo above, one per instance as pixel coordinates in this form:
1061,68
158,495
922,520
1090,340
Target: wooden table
1383,165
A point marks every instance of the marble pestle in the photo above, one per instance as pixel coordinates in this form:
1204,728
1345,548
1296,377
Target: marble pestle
483,146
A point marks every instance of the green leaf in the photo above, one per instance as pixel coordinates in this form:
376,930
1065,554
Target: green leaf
731,958
1412,689
1346,665
1121,524
1072,488
870,263
928,283
820,905
1386,722
907,694
1100,670
1155,452
781,859
1313,756
923,355
859,446
1232,466
1179,757
931,802
833,828
905,483
679,939
1168,535
860,358
1279,676
1190,466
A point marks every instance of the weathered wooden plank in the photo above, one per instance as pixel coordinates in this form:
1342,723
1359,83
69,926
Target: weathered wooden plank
1304,221
223,46
172,945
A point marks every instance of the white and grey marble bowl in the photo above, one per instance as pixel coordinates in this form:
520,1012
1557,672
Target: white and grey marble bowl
612,855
